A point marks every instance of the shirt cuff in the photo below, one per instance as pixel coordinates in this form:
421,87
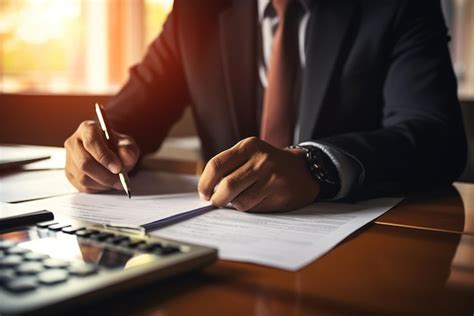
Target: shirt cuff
348,168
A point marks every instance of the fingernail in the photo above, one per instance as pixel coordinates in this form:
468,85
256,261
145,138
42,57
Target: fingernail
203,197
113,167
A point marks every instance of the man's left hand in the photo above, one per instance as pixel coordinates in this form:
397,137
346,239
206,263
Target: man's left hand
255,176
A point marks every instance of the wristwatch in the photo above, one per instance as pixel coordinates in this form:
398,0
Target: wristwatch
322,169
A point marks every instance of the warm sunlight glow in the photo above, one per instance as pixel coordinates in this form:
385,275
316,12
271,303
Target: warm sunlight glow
74,46
43,20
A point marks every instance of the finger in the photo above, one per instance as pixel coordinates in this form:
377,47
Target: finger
272,203
251,197
87,165
264,206
220,166
234,183
94,142
128,152
84,183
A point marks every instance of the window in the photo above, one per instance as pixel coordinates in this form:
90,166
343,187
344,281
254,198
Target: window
74,46
87,46
460,19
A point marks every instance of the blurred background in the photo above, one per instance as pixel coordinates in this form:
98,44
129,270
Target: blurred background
59,57
74,46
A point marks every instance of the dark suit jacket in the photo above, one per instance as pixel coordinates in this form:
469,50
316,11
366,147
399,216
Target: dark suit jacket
378,85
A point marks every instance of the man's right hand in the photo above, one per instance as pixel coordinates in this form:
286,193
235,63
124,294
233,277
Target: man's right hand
90,165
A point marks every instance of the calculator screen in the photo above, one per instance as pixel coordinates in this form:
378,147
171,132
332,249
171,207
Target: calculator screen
70,247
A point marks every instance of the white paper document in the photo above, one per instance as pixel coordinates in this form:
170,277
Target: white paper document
283,240
155,196
286,240
29,185
118,209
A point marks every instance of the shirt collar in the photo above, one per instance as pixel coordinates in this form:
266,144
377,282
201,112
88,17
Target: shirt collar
263,5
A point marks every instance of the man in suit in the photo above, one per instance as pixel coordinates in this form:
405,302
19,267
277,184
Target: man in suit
364,89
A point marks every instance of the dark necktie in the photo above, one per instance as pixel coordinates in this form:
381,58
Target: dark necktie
279,108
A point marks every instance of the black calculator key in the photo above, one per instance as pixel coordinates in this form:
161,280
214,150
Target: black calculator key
116,239
35,256
46,224
82,269
71,229
11,261
58,227
131,243
53,276
5,244
156,245
17,251
148,247
6,275
125,242
100,236
53,263
29,268
86,232
22,284
167,250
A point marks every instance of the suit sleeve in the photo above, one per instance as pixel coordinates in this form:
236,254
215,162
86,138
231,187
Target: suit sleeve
421,142
155,94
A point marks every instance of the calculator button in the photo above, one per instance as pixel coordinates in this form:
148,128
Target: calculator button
11,261
166,250
22,284
148,247
156,245
6,275
53,276
52,263
85,232
46,224
35,256
100,236
29,268
5,244
116,239
17,251
82,269
131,243
58,227
71,229
125,242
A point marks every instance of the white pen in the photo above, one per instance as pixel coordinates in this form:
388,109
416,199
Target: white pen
104,125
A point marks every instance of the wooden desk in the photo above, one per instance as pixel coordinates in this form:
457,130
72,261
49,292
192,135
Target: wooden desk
448,210
381,269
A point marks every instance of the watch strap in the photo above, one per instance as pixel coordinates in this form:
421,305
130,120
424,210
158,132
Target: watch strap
322,169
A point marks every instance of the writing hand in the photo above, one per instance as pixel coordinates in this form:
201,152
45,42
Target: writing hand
90,165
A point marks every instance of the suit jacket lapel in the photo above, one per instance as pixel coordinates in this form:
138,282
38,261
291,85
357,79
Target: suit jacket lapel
330,21
238,45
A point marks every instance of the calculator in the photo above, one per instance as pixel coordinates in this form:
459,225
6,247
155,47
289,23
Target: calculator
55,265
